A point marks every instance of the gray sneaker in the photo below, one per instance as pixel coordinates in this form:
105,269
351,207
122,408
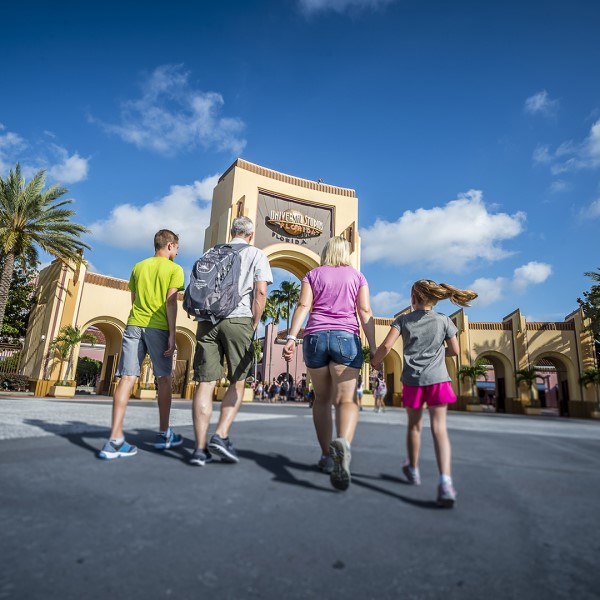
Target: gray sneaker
325,464
339,450
224,448
412,475
200,457
446,496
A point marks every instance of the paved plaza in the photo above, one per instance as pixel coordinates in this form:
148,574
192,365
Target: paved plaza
525,526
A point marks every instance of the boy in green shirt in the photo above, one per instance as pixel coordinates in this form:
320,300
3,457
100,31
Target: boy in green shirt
154,284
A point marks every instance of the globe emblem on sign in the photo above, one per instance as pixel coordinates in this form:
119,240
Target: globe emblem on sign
293,227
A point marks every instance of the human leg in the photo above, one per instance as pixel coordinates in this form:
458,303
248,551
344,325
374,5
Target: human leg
321,408
164,399
413,435
343,383
446,494
133,351
230,407
157,341
441,441
120,401
235,338
202,405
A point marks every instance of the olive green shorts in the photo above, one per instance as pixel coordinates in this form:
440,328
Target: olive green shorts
230,340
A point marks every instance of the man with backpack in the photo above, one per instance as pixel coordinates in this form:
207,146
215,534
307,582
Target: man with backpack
225,337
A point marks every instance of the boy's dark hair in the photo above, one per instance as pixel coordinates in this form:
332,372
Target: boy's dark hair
164,237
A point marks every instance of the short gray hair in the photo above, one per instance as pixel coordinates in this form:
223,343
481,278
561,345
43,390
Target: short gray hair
242,227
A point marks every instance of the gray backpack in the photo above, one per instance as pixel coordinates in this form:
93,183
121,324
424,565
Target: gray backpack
213,292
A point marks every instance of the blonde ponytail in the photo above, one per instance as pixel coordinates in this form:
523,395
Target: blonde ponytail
428,291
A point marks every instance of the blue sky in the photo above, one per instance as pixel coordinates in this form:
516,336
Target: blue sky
470,130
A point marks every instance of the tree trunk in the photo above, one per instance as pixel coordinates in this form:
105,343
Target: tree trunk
287,364
5,279
68,369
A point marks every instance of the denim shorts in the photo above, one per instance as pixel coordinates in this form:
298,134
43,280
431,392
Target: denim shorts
334,345
137,341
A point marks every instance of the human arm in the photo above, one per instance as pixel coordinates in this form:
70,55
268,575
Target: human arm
171,319
258,302
386,346
365,315
300,313
452,348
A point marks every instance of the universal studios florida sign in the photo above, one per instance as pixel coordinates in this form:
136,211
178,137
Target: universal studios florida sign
292,222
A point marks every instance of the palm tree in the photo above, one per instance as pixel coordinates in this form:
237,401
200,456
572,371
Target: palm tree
31,217
590,377
474,372
286,296
64,344
528,375
272,311
257,352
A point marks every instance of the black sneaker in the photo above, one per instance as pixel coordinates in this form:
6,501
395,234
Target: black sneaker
224,448
200,457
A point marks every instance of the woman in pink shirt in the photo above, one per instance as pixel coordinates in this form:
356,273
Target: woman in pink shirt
333,293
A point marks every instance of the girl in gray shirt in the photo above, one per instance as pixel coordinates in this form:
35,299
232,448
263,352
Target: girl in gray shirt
428,337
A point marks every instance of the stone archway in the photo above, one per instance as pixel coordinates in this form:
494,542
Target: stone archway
503,377
560,381
392,368
183,363
112,329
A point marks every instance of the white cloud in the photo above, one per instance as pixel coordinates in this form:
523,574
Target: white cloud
572,156
541,103
68,169
341,6
592,211
449,237
559,186
171,117
185,210
71,169
531,273
10,144
387,304
489,290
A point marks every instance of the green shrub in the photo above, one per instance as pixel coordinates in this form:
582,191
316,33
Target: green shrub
15,383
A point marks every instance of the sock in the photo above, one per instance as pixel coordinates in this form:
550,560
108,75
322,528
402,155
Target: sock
445,479
117,441
165,433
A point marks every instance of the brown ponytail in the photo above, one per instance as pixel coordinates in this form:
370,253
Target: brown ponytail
427,291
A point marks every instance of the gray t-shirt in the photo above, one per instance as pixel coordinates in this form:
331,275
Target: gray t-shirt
254,267
423,334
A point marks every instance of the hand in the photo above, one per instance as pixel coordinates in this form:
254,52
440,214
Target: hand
171,347
288,350
376,366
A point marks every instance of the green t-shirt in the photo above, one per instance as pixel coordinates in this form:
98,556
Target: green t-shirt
150,280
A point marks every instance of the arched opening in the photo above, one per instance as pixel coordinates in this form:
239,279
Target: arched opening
288,266
182,362
108,352
498,385
553,388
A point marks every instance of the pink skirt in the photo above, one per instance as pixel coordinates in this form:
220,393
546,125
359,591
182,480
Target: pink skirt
414,396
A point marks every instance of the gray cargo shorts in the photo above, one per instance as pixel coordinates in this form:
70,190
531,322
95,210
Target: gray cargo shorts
137,341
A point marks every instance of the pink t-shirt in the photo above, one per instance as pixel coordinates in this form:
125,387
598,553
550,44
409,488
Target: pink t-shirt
335,290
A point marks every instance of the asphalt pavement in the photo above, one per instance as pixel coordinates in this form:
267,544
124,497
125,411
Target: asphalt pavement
271,527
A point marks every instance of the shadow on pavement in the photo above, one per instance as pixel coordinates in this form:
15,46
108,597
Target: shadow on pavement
358,479
280,466
77,432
